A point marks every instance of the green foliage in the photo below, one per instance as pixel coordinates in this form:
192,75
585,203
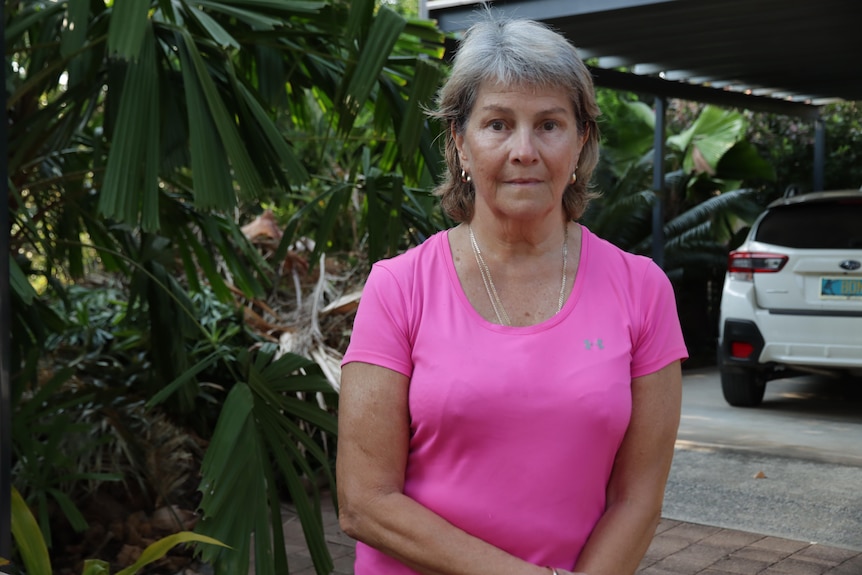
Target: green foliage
403,7
28,537
34,552
788,144
258,445
49,443
702,202
370,133
65,430
67,426
142,135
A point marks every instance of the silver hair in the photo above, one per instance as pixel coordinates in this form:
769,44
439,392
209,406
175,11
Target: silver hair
514,52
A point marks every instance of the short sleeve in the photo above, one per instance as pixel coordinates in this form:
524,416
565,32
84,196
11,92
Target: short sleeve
659,340
380,329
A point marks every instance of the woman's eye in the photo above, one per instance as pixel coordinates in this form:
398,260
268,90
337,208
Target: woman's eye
497,125
549,125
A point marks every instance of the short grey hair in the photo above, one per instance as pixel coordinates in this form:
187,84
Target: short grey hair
514,52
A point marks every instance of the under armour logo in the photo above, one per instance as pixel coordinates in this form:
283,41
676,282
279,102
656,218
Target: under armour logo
598,343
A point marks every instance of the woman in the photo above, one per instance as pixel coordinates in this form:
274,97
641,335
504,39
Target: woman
510,396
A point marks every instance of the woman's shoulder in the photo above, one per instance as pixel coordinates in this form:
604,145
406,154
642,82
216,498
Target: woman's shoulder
403,280
601,250
416,260
640,273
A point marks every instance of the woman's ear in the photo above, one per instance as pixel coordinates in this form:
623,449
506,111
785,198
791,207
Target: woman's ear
458,138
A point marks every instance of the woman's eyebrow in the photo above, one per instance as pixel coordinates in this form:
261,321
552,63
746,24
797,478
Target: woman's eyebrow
495,108
505,109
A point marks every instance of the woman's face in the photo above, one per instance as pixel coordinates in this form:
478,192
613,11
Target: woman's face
520,147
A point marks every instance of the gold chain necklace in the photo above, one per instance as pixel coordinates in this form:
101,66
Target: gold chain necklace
491,289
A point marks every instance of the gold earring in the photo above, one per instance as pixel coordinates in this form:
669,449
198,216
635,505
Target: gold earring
465,177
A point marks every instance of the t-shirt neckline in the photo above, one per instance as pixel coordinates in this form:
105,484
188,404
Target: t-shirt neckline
568,305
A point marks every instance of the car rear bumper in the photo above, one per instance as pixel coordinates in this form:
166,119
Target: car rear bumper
736,333
817,344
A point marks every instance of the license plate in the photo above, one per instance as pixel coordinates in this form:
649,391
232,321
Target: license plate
840,288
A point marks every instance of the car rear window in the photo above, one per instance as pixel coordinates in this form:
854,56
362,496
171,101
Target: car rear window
832,225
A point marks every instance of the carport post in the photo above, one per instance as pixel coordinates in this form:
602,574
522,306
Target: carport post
819,153
5,350
658,182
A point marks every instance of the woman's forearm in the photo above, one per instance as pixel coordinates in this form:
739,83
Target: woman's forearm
414,535
637,483
620,539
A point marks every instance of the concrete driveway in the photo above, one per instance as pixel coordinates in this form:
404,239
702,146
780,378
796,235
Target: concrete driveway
791,468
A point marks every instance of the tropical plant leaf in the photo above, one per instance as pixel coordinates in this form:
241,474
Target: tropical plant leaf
19,283
254,12
258,422
70,510
203,258
131,176
129,22
160,548
291,6
96,567
214,112
338,197
184,378
28,537
711,135
382,36
744,161
425,81
29,15
631,130
294,169
359,21
27,411
73,38
233,484
310,513
219,35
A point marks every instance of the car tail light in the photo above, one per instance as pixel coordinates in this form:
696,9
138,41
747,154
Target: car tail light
743,265
741,349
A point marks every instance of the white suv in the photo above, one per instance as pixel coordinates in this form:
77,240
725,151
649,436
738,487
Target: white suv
792,296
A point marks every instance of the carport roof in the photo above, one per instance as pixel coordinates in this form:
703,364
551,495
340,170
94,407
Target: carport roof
786,56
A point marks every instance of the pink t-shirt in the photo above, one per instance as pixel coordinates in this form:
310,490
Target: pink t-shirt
514,430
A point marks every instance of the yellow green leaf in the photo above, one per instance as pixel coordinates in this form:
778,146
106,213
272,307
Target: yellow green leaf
28,538
160,548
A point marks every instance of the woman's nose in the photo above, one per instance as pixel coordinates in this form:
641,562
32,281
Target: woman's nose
524,147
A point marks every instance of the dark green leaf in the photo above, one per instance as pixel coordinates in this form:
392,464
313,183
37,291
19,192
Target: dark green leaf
130,184
219,35
384,32
129,23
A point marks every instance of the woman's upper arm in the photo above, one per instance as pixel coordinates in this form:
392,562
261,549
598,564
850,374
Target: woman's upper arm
373,431
644,457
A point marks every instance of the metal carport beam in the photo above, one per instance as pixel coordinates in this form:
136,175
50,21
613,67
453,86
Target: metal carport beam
609,61
648,69
461,10
684,75
684,91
